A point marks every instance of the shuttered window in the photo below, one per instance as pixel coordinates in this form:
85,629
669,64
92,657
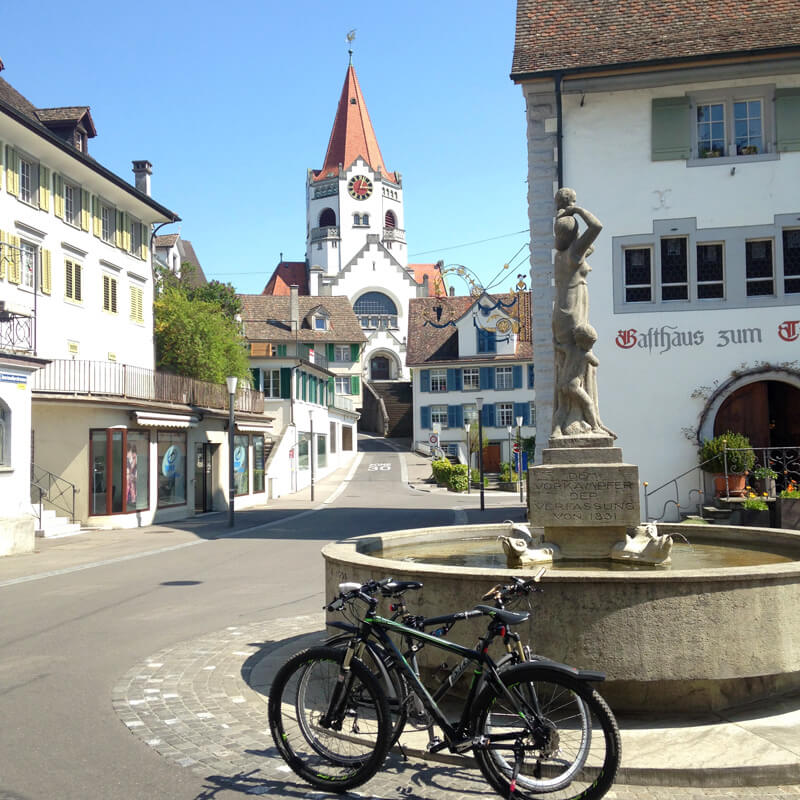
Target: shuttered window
72,281
137,309
110,294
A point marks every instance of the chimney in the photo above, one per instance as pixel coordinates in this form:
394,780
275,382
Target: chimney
143,170
315,280
294,308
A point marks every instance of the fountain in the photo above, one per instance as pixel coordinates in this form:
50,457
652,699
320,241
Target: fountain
714,628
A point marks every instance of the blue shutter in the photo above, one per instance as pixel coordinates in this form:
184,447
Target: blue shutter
531,376
455,416
425,416
522,410
453,380
488,415
424,380
517,376
459,416
487,377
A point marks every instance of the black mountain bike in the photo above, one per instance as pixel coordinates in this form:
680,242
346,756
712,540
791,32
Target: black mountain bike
535,729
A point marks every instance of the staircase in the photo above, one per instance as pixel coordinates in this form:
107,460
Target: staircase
49,525
397,399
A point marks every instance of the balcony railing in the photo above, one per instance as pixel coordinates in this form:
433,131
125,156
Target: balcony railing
329,232
107,379
342,403
16,331
394,235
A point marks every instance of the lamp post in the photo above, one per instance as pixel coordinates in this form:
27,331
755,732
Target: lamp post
479,404
311,451
519,455
231,382
469,458
510,430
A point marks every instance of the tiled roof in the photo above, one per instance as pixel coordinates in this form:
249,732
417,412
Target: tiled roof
188,255
10,96
166,240
352,135
427,343
74,114
266,319
286,274
572,34
436,280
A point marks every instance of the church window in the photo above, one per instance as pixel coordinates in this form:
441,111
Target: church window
390,221
376,310
360,220
327,218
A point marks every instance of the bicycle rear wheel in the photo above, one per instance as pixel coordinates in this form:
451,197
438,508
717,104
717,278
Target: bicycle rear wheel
575,752
332,751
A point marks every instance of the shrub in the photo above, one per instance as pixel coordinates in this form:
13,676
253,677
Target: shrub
753,503
441,470
458,478
732,447
507,474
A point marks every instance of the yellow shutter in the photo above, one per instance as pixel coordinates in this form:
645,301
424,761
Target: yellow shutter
44,188
12,171
145,242
47,272
14,265
126,232
96,221
85,214
3,254
58,196
119,234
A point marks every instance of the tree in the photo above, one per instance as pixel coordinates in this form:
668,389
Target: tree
197,338
223,294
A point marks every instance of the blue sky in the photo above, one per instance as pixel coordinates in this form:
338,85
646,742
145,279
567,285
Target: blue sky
233,102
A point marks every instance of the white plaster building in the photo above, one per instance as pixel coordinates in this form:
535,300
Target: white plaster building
462,348
679,127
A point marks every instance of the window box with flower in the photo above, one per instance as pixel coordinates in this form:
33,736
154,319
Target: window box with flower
755,511
789,507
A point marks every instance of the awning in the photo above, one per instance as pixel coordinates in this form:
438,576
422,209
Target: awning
156,420
254,427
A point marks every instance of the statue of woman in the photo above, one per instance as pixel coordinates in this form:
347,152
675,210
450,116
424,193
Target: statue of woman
575,401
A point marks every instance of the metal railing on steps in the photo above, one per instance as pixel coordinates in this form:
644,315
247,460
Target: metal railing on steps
57,491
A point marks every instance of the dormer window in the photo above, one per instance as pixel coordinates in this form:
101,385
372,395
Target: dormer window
80,141
320,323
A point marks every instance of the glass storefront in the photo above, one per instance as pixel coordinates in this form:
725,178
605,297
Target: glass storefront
120,466
258,464
241,474
322,452
171,469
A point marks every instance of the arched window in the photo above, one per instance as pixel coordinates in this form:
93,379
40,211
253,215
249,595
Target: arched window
365,219
390,221
327,219
5,435
376,310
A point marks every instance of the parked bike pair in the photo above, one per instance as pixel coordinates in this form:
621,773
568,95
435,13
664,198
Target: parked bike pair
535,727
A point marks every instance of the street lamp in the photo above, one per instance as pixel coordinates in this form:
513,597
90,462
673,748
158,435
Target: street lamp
231,382
510,430
519,455
479,405
469,458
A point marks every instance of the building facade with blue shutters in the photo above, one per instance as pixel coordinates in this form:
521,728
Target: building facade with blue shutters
461,349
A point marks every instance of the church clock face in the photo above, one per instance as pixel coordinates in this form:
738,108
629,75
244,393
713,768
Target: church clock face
360,187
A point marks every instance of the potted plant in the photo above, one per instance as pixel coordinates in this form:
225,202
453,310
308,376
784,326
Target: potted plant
728,457
755,512
789,507
765,480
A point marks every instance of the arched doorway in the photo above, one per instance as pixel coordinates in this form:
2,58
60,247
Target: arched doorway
765,411
379,369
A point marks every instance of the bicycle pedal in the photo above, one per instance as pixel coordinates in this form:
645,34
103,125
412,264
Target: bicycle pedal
480,742
434,743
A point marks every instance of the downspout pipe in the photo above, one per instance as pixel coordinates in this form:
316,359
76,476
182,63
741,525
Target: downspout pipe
558,77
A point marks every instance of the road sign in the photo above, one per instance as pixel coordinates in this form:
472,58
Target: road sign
434,438
516,447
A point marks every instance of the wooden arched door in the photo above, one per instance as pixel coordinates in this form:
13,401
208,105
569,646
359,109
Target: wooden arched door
765,412
379,368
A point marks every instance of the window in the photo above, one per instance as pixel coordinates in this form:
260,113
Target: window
108,224
241,473
28,181
72,281
322,451
710,130
258,464
375,309
135,238
505,415
438,380
272,383
320,323
171,469
439,417
110,294
638,275
28,264
342,384
532,412
759,268
342,352
327,219
709,271
120,481
471,413
472,378
674,269
302,451
361,220
137,304
791,261
390,221
503,378
5,435
72,204
487,341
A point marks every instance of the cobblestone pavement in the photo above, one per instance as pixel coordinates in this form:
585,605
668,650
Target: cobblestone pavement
202,704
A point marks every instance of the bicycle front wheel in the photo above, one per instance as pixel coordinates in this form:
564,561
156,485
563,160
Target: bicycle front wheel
333,733
573,750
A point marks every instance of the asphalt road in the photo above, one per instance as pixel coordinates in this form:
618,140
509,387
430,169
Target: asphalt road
67,637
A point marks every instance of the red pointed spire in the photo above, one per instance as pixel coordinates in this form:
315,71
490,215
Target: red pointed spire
352,135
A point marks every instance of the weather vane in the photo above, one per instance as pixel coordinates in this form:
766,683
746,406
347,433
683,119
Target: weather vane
350,36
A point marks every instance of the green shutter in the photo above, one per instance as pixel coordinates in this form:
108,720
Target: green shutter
671,133
331,351
331,390
58,196
787,119
286,383
354,350
44,188
12,171
281,350
119,235
355,384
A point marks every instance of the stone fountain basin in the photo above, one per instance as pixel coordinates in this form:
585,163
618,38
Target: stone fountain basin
668,640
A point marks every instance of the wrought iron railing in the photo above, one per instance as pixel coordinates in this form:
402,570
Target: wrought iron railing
773,470
16,332
108,379
58,492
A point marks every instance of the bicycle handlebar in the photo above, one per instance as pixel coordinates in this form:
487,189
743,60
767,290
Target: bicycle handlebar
519,586
388,587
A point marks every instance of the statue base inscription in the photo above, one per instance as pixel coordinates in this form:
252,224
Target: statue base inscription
585,498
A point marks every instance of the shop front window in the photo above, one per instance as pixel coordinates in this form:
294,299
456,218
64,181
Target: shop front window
241,473
120,469
302,451
322,451
258,464
171,469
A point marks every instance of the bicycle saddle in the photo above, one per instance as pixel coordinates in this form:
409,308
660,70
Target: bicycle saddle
396,587
508,617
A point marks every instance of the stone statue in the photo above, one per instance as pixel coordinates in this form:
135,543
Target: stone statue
575,404
521,548
644,545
